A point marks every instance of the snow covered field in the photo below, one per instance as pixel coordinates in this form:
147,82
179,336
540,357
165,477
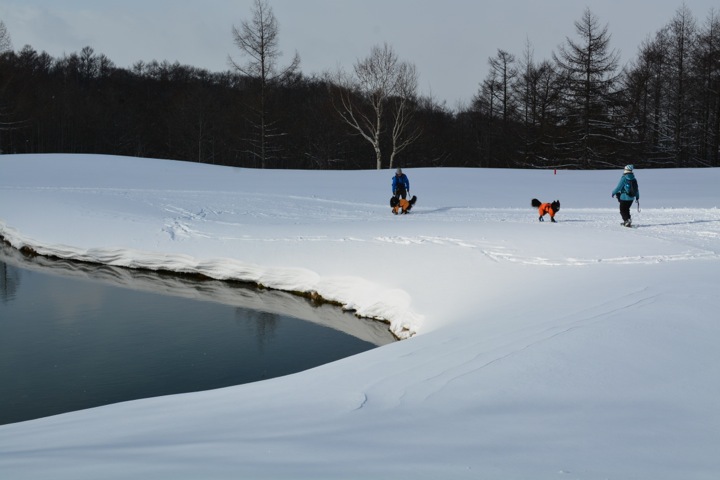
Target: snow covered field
580,349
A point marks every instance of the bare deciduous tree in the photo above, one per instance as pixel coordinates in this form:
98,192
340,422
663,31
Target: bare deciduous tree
380,84
708,53
258,40
502,66
5,42
681,35
536,92
6,123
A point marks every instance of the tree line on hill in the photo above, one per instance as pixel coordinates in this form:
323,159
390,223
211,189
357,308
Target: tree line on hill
577,110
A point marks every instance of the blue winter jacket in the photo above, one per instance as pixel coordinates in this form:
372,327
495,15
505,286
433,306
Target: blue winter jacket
620,189
400,180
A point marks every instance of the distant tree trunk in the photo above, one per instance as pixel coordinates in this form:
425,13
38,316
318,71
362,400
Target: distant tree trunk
505,72
708,53
681,35
258,39
536,93
5,45
495,100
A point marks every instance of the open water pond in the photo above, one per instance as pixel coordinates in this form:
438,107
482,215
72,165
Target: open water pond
75,336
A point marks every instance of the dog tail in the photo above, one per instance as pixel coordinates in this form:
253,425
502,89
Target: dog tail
535,202
413,200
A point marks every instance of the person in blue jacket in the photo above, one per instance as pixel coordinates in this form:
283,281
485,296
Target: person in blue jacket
627,192
400,185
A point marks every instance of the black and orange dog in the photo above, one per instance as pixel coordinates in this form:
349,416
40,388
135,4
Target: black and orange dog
546,208
400,205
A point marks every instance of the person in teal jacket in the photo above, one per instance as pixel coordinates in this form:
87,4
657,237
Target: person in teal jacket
627,192
400,184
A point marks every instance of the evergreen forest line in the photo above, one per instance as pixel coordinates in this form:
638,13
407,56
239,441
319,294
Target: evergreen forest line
577,110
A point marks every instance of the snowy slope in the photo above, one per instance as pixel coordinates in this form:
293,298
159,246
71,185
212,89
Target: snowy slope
535,350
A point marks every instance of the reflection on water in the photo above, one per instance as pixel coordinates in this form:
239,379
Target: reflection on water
9,281
74,336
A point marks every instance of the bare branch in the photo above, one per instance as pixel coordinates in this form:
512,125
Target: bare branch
379,82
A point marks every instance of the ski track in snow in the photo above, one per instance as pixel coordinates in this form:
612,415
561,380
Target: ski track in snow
698,229
190,214
528,339
545,350
233,220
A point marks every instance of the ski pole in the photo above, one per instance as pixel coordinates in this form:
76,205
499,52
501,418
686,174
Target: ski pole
638,202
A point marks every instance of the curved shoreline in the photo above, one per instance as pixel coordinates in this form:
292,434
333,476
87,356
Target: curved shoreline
29,251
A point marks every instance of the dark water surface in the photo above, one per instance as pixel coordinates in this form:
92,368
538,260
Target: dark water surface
75,336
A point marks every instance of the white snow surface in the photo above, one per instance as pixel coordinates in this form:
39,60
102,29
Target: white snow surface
580,349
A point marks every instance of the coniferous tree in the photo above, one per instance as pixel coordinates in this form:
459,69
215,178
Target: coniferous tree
663,110
588,68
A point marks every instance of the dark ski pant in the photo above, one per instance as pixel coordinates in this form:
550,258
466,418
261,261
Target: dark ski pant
400,193
625,209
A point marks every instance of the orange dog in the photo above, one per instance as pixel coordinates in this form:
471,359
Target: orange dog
402,205
546,208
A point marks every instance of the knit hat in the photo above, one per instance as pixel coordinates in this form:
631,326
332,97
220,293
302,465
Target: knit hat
629,168
398,171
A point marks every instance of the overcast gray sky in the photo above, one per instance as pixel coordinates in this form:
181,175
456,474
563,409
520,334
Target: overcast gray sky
449,41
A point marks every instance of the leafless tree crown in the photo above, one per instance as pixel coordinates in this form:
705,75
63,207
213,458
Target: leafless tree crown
5,42
381,84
